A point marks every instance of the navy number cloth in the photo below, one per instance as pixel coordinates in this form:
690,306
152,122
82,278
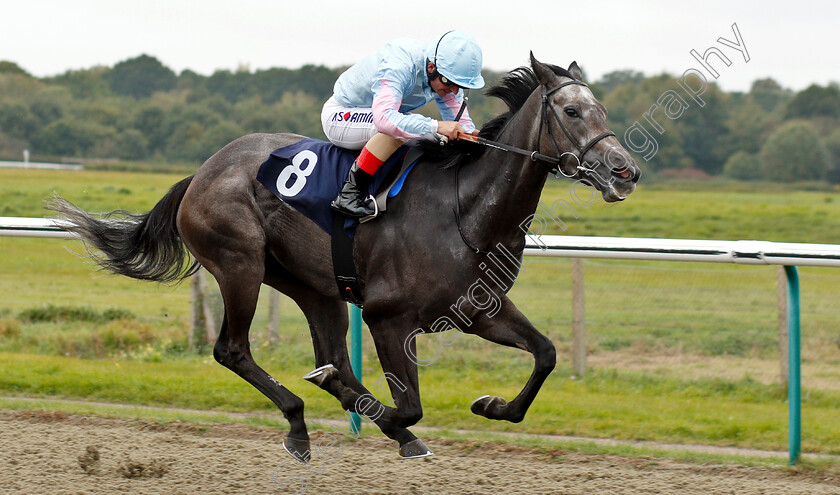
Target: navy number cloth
309,174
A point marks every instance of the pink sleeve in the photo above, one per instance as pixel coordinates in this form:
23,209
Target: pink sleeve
450,107
388,119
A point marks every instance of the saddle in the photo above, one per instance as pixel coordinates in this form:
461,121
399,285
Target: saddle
309,174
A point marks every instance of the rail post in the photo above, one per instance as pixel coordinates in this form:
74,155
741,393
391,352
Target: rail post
356,358
794,379
781,302
578,319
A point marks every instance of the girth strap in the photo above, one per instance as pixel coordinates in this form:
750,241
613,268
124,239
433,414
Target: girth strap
343,264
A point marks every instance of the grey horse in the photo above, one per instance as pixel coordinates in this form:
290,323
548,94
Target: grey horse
461,213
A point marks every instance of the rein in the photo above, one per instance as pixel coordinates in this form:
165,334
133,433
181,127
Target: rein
551,162
458,220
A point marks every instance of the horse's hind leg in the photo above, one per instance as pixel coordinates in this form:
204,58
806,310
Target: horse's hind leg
236,259
240,290
327,318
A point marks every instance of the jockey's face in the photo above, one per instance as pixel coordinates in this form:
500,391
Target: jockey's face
437,84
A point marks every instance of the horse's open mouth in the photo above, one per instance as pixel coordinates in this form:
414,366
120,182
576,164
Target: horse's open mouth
613,194
620,190
608,192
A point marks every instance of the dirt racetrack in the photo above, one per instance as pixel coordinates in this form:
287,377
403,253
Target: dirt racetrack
56,453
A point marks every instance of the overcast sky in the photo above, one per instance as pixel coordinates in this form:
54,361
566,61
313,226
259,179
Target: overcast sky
795,42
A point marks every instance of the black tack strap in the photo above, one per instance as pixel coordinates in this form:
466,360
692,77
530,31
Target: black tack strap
463,105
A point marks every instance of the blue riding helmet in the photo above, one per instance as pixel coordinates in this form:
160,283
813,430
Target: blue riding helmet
457,57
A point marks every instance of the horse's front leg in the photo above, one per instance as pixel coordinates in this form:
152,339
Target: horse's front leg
400,371
510,327
335,376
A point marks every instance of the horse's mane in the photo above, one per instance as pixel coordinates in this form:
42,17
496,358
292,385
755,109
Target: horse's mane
514,89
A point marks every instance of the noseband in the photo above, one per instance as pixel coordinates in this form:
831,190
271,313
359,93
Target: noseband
555,162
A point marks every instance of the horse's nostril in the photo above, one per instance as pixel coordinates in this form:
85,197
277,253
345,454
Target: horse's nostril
623,172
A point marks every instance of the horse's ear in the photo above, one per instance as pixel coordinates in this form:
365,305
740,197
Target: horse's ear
575,71
544,74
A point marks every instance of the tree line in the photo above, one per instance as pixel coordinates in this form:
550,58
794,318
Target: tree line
141,110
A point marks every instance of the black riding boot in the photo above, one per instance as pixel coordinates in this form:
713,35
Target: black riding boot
351,199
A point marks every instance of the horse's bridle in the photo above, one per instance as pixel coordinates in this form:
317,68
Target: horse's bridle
555,162
536,156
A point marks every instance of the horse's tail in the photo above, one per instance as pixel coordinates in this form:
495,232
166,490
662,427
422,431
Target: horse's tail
145,247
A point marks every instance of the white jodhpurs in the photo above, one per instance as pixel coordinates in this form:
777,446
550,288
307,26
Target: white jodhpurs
347,127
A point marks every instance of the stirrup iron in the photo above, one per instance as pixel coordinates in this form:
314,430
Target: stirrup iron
375,211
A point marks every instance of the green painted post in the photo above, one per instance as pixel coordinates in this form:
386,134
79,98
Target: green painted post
356,358
794,380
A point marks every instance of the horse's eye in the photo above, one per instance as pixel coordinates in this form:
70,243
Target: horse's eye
571,112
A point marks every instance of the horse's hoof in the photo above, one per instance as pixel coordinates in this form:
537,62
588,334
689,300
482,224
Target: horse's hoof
299,449
321,375
488,406
415,449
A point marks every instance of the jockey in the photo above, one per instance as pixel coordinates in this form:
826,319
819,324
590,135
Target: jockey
371,101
